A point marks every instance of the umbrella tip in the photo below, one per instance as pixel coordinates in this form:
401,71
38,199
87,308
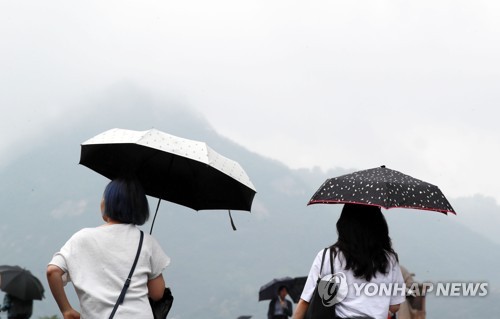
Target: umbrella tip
383,166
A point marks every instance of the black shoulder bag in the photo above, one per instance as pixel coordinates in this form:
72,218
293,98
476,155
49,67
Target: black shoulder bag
317,309
160,307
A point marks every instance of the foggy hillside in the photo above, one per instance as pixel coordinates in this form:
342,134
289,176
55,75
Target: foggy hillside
216,272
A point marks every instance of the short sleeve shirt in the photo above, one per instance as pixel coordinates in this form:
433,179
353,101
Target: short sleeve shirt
98,260
359,302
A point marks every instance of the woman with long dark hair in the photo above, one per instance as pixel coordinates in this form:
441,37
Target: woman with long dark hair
364,255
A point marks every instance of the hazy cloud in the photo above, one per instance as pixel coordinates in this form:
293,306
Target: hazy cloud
69,208
412,85
481,214
259,209
288,186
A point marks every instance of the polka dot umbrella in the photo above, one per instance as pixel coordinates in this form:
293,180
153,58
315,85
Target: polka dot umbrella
382,187
179,170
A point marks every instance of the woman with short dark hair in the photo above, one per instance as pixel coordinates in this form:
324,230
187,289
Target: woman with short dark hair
98,260
124,200
364,255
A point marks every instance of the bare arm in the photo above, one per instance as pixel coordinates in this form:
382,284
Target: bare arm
301,309
54,277
394,308
156,287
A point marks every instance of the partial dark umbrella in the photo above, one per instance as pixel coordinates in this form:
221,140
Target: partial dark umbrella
20,283
294,287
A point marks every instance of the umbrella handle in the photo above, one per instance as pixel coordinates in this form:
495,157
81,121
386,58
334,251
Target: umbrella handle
231,218
154,218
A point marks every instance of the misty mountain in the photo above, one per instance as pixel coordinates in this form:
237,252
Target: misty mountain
216,272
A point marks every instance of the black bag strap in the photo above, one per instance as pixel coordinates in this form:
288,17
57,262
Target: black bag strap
332,259
127,282
323,261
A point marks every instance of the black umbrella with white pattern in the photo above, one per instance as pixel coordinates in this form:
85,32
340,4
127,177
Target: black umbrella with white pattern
179,170
382,187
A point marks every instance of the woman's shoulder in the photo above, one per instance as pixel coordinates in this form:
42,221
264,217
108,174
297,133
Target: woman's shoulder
319,254
326,252
80,237
83,232
393,259
151,241
86,232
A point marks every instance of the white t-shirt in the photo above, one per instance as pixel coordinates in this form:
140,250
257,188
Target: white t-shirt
98,261
366,304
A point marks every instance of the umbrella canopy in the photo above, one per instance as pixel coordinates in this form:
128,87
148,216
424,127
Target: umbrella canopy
293,285
175,169
382,187
182,171
20,283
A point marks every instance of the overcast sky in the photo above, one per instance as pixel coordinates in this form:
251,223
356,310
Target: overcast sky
413,85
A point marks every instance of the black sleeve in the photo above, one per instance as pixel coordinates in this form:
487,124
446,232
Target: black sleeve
288,310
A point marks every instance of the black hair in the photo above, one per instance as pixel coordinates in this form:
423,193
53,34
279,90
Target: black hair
281,288
125,201
363,239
